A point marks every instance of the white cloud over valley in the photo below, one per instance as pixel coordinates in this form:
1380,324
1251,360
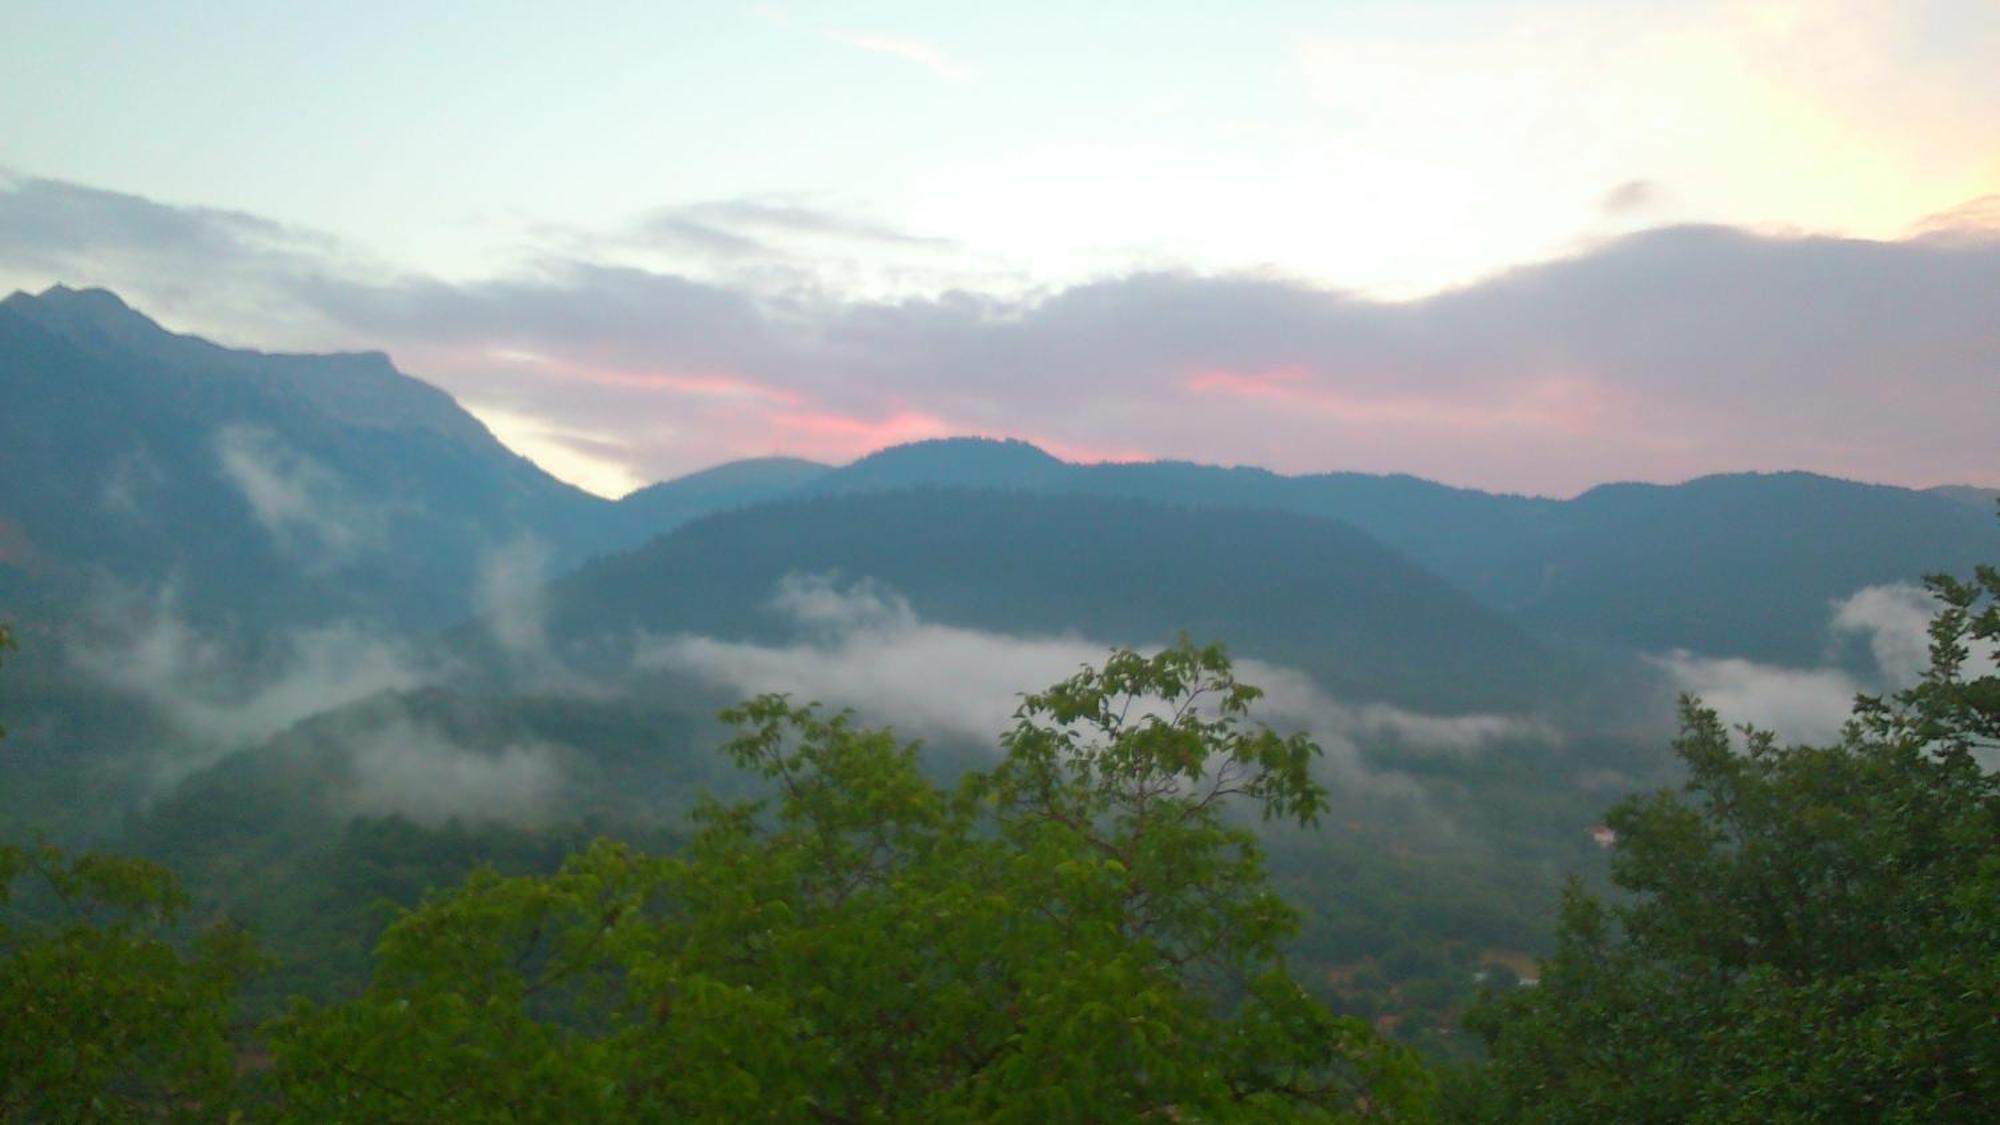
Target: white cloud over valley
1813,704
863,647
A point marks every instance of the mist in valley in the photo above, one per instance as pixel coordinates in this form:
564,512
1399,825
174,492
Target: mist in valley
537,548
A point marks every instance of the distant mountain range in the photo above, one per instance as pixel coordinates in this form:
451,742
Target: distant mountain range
261,490
1984,499
302,627
271,490
1315,594
1740,564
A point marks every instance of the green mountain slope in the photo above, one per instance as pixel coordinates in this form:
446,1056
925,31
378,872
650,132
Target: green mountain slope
1307,592
659,508
266,490
1745,564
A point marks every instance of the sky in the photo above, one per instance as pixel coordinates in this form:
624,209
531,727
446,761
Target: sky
1528,246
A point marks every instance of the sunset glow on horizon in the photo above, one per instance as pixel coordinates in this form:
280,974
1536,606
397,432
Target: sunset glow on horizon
1525,247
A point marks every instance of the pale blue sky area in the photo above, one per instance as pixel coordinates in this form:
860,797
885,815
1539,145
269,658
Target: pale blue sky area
1391,147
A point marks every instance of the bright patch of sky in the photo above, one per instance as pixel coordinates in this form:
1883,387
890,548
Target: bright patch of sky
1385,147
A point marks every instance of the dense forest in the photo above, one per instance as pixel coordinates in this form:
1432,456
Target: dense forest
1088,929
878,562
358,769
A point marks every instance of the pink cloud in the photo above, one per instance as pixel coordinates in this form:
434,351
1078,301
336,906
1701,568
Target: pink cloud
1658,355
1087,453
1568,404
1282,383
831,435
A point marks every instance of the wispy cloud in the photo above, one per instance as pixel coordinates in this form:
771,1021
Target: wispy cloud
1813,704
215,698
863,646
406,767
1659,355
773,232
304,507
1895,620
923,54
784,216
1631,197
1974,219
510,598
189,261
1798,704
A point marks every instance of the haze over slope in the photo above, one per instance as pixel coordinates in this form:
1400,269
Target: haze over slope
271,489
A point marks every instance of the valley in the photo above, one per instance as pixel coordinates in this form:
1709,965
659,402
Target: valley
303,629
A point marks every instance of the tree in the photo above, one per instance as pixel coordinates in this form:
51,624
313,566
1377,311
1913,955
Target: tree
1082,932
105,1016
1811,933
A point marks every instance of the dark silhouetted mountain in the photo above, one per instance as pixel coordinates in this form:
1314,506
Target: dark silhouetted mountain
359,388
1982,498
659,508
945,462
1746,564
1445,528
1743,564
1307,592
279,489
268,489
271,489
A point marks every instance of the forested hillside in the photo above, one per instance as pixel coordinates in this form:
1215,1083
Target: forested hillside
323,693
1311,593
895,562
1084,930
1737,565
267,491
263,490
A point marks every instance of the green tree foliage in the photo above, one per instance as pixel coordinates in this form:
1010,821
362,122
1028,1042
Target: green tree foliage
1079,933
1812,933
106,1017
103,1015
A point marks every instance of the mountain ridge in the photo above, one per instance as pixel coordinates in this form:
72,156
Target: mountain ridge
1305,591
316,486
1615,564
141,459
362,387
